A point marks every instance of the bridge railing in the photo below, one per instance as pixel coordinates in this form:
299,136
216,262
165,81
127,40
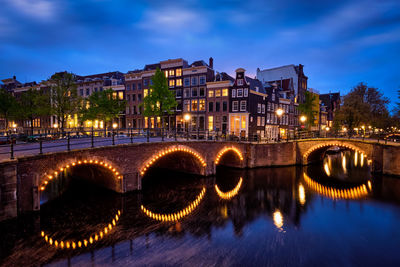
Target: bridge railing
16,145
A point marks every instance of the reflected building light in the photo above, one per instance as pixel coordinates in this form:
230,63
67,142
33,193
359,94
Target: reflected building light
278,219
230,194
348,193
362,160
326,168
302,194
177,215
69,244
355,158
344,164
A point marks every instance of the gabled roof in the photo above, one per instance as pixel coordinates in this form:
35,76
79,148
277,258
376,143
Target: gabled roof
223,76
255,85
199,63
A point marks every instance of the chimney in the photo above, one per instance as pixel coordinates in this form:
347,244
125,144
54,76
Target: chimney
14,78
211,63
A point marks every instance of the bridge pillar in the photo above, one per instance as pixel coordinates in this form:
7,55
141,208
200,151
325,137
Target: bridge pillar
132,181
8,191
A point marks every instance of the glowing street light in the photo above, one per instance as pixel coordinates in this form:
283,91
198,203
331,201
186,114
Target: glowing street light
187,117
115,125
279,112
327,129
303,118
55,125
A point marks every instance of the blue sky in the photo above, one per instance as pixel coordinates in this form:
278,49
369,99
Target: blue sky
340,43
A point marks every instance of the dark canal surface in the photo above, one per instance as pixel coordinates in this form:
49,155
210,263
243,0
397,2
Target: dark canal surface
330,214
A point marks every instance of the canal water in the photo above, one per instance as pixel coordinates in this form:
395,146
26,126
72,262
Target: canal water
330,214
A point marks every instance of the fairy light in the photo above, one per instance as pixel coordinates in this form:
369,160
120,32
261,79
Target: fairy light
177,215
167,151
72,244
349,193
46,180
230,194
226,149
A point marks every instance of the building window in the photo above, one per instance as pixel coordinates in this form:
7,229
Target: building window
202,80
171,83
225,92
233,93
194,105
202,105
171,73
244,122
258,108
139,86
81,92
186,93
258,121
145,82
186,81
178,72
210,123
240,82
217,106
243,105
194,92
202,91
263,108
186,104
128,97
128,87
139,97
194,80
217,93
166,73
133,87
178,93
235,105
210,106
239,92
211,93
128,110
224,106
246,92
87,91
178,82
120,95
133,98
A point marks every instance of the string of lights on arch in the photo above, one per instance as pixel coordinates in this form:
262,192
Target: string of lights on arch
230,194
349,193
84,242
170,150
312,149
55,174
172,217
226,149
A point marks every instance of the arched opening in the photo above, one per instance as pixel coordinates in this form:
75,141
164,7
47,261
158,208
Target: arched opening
230,157
179,159
94,172
317,153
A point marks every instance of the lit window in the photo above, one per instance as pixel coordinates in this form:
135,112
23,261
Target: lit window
194,105
145,92
225,92
235,105
114,95
171,83
243,105
166,73
210,123
211,93
120,95
202,105
171,73
217,93
243,122
178,72
178,82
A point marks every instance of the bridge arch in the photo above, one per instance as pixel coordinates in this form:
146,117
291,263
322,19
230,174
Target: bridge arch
392,134
155,158
219,159
316,152
69,165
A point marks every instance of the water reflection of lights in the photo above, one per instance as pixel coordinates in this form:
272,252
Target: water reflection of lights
278,219
170,150
230,194
344,164
76,163
177,215
69,244
302,194
357,150
355,158
226,149
362,159
350,193
326,168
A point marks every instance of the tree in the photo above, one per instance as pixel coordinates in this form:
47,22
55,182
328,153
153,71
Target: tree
309,108
363,105
64,97
33,104
103,105
160,100
8,106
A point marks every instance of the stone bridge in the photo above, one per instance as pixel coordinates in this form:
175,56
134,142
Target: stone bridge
122,167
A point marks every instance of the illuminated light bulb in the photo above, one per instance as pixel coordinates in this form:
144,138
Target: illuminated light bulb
61,169
96,237
79,244
46,238
96,161
117,173
101,234
42,188
55,173
67,166
51,241
67,245
56,243
119,213
73,164
91,161
79,162
73,245
90,240
113,222
62,244
85,242
110,167
105,230
85,161
42,233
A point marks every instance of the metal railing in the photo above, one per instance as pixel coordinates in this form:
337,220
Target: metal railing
21,145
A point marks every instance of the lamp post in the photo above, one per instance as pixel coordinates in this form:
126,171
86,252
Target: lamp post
279,113
187,119
303,119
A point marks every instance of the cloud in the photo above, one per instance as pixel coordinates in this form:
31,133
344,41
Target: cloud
40,9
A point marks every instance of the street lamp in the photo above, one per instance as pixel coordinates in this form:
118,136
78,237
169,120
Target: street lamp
115,125
279,112
187,117
303,119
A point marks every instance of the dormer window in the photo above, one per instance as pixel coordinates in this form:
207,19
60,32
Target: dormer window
240,82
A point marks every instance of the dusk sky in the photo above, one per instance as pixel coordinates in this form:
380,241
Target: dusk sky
341,43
